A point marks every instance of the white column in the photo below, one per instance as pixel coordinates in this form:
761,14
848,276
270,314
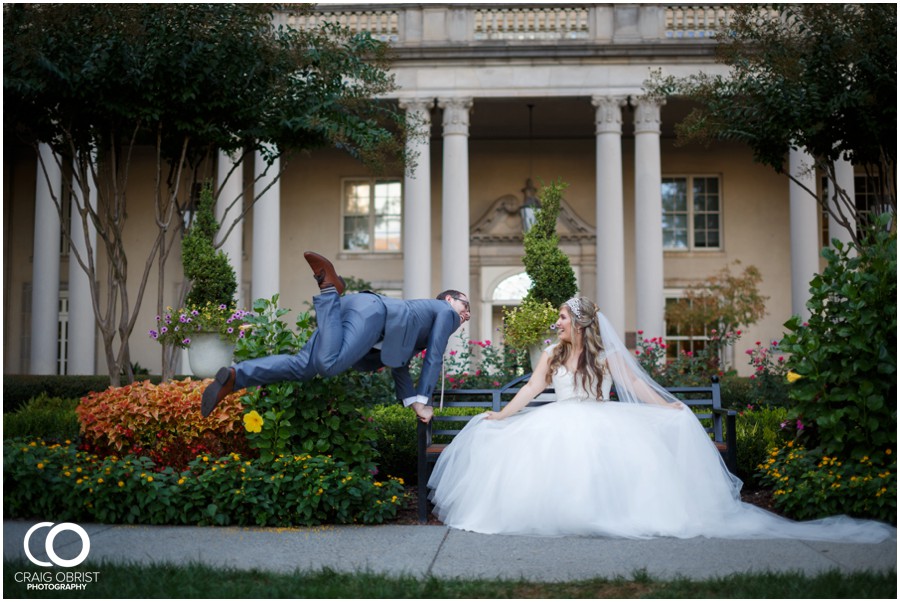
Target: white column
417,201
455,189
266,258
82,326
231,194
45,266
455,204
843,171
648,256
609,209
804,230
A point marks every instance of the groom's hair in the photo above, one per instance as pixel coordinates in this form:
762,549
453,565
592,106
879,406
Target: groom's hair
452,292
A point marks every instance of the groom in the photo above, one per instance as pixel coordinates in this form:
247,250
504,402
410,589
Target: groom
363,331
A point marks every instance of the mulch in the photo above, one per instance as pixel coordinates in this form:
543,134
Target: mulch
409,514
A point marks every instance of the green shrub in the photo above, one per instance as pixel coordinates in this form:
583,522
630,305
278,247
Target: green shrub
19,388
758,430
737,392
320,416
396,428
809,483
44,417
846,353
56,480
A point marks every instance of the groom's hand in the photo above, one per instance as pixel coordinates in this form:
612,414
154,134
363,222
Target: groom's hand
424,412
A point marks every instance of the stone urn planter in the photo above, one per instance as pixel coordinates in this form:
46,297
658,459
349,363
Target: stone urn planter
209,352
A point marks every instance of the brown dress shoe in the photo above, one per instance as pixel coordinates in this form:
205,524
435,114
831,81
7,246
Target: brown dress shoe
324,272
221,386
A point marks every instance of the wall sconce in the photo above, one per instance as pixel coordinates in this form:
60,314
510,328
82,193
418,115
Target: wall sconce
530,203
529,206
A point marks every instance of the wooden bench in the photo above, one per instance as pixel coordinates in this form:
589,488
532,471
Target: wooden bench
722,423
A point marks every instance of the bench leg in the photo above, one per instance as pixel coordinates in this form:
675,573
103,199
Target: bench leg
731,452
422,471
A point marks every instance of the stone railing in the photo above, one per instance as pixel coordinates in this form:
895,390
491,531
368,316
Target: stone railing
526,23
696,21
443,24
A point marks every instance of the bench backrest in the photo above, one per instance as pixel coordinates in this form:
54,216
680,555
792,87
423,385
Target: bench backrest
495,399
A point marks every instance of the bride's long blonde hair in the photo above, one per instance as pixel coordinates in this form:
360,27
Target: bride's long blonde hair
591,364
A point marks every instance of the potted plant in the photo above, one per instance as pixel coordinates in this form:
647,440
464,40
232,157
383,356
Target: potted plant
209,324
552,278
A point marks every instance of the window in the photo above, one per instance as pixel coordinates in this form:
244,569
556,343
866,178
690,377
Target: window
683,339
692,213
868,203
372,215
62,334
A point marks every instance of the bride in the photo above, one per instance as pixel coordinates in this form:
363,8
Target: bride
640,468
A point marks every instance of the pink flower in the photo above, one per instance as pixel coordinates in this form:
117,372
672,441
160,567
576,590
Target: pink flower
453,352
799,425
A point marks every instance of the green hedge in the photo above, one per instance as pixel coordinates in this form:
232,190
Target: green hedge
19,388
44,417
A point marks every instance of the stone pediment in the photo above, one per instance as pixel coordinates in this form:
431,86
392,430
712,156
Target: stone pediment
502,223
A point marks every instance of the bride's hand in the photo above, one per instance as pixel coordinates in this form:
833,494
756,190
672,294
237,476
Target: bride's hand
490,415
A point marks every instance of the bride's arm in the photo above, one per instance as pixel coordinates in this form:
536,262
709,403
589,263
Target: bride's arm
642,390
536,384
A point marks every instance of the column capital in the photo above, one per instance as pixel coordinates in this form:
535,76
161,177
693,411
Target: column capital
418,114
647,114
456,114
414,104
608,117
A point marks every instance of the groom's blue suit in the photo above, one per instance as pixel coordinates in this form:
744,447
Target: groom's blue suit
364,331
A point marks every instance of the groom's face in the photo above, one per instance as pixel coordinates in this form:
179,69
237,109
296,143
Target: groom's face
461,305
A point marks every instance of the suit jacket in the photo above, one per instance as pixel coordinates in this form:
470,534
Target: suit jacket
411,326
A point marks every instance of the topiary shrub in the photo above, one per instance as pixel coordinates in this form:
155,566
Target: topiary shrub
161,422
844,357
552,278
213,281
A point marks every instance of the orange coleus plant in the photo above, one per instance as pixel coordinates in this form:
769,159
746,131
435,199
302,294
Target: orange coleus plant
160,421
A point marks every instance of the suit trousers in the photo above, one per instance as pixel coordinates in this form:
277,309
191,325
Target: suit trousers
348,328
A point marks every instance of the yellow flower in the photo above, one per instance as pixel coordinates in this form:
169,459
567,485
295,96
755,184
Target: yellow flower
121,484
149,479
40,466
793,377
253,422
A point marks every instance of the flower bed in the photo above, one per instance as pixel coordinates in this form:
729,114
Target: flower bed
58,480
809,484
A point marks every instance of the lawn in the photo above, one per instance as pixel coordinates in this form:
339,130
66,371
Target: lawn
196,581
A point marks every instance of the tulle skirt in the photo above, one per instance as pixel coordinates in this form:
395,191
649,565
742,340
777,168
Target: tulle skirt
608,469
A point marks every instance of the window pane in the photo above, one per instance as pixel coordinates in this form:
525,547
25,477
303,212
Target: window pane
674,194
388,198
387,234
356,233
356,199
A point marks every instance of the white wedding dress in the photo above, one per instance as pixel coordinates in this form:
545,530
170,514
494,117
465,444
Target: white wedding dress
585,467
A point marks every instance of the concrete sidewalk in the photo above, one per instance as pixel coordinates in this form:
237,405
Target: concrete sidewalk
438,551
